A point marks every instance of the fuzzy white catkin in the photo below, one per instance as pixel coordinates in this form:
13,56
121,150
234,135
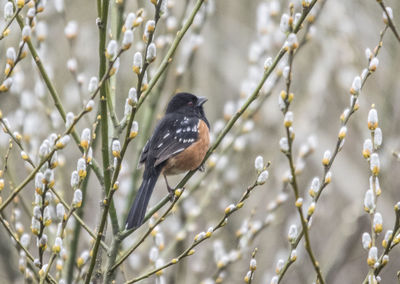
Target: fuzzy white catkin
284,144
366,240
259,163
378,137
292,234
262,178
284,24
151,52
369,202
356,84
112,49
129,21
8,10
60,211
138,60
128,39
93,83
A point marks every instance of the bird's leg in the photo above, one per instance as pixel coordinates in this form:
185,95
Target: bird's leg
170,189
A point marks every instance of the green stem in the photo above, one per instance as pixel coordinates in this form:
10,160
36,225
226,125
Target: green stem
104,133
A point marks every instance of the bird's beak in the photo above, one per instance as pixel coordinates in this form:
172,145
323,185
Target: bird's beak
201,101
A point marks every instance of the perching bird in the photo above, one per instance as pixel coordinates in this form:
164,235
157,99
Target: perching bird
178,144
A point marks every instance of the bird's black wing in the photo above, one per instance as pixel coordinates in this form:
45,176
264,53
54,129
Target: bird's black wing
143,155
173,134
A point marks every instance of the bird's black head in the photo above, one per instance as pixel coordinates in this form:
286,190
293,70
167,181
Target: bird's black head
188,104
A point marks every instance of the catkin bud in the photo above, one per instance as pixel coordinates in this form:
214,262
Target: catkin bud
279,266
151,53
378,137
385,17
369,201
93,83
229,208
262,178
26,33
11,56
373,64
8,10
35,226
388,237
43,242
83,258
284,144
128,39
326,158
314,188
372,256
356,86
115,67
366,240
137,62
149,29
253,264
378,222
372,119
367,148
129,22
6,85
116,148
299,202
311,209
342,132
134,130
153,254
111,50
375,164
85,138
47,217
284,24
293,233
77,200
247,277
288,120
57,245
268,63
292,41
132,96
259,163
81,167
89,105
39,183
60,211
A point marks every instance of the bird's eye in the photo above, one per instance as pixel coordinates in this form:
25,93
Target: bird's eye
190,103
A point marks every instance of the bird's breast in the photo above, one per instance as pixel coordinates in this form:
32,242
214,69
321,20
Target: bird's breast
190,158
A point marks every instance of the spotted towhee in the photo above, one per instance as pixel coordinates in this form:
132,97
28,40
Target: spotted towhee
178,144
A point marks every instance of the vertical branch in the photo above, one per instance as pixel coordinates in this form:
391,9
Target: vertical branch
102,25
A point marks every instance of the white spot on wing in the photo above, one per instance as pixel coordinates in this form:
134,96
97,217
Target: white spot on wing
166,135
179,130
159,145
177,151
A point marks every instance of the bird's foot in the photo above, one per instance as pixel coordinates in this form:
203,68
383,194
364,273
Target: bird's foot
202,168
171,193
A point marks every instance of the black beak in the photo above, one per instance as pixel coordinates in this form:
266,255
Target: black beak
201,101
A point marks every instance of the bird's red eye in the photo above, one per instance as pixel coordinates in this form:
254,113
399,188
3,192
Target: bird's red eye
190,103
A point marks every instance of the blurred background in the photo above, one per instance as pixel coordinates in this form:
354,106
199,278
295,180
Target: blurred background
222,57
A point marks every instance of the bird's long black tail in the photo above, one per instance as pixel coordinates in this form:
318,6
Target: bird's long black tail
138,209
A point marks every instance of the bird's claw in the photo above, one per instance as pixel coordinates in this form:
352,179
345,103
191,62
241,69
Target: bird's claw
202,168
171,194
